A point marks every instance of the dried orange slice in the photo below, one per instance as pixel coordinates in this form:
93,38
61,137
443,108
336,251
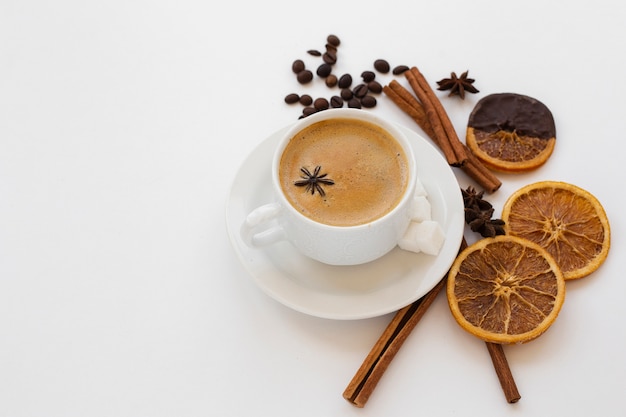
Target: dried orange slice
505,290
569,222
511,132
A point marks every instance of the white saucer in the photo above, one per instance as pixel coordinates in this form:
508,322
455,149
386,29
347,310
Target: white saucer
346,292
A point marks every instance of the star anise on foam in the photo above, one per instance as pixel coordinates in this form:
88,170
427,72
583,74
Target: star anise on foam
457,85
313,181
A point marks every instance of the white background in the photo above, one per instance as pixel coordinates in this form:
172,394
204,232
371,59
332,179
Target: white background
122,125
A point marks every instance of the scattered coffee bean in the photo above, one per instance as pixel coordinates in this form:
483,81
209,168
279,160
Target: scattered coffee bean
297,66
346,94
336,102
305,76
331,81
345,81
330,57
292,98
360,90
307,111
381,66
333,40
360,96
368,76
354,103
375,87
306,100
368,101
321,103
400,69
324,70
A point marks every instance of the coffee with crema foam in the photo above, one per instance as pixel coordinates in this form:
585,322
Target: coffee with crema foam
368,168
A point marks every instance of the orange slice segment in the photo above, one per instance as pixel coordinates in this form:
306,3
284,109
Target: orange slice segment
566,220
505,290
511,132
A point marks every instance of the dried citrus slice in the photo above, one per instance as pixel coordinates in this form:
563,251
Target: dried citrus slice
569,222
505,290
511,132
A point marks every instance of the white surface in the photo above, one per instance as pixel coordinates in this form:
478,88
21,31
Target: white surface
346,292
122,125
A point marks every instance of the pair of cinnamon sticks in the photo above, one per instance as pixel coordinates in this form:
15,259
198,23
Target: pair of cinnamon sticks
428,112
375,364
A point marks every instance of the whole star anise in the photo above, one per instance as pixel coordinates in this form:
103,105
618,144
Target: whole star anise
473,198
478,214
313,181
457,85
480,221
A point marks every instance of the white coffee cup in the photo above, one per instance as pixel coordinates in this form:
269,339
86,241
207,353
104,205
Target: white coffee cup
335,245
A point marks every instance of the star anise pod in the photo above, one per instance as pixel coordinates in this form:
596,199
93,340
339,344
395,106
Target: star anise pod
479,212
457,85
476,218
473,198
498,226
480,221
313,181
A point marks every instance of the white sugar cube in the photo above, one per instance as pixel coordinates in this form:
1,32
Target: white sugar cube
429,236
426,236
420,209
409,240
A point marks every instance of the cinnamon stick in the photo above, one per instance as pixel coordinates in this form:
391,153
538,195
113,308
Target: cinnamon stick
375,364
409,104
437,115
503,371
480,173
414,109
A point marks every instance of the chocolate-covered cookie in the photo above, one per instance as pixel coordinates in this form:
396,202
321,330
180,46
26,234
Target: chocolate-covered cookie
511,132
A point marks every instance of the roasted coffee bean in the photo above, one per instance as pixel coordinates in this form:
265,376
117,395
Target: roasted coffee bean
368,76
307,111
360,96
360,90
333,40
331,81
375,87
292,98
330,57
346,94
306,100
336,102
354,103
321,103
368,101
305,76
324,70
400,69
345,81
381,66
298,66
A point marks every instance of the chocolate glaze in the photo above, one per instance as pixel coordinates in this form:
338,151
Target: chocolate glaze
509,112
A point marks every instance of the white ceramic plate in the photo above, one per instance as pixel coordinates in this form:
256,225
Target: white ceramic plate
346,292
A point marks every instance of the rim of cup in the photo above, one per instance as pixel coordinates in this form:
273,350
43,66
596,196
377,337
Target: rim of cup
349,113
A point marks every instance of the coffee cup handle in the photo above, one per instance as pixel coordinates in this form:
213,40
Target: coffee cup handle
256,219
